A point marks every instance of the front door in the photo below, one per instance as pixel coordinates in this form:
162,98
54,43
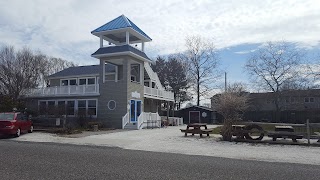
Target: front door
194,116
135,110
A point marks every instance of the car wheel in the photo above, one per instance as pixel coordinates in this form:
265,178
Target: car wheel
31,129
18,132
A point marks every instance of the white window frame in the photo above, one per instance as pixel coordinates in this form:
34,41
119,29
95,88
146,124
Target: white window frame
88,77
69,81
115,73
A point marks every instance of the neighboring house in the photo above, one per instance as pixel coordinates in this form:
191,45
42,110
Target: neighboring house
121,92
296,106
197,114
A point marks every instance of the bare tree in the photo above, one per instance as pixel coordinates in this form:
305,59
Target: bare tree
18,70
276,66
53,65
231,105
24,69
202,60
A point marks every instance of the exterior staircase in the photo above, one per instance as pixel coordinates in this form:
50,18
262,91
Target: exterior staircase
131,126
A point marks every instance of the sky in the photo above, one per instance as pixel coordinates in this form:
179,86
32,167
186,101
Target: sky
236,27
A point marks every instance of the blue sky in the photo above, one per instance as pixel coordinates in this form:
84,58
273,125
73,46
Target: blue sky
62,28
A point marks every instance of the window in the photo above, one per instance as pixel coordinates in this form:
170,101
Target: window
91,81
72,82
87,81
92,107
308,99
42,107
64,83
61,107
110,72
51,107
70,107
82,81
82,104
67,82
135,73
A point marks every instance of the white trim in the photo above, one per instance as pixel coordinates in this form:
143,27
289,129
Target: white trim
199,115
133,31
115,105
72,76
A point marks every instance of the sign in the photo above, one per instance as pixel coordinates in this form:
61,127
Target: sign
135,95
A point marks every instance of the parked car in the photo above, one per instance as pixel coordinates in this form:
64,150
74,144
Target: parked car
15,123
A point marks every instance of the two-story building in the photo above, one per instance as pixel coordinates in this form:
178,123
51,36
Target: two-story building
294,106
121,92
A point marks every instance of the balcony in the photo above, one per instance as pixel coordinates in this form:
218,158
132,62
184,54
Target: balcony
83,90
158,94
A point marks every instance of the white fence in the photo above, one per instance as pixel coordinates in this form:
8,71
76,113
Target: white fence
148,119
64,90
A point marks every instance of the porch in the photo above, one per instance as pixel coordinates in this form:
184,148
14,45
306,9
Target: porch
80,90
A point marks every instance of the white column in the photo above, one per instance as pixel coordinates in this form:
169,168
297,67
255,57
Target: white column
142,74
101,41
142,47
127,37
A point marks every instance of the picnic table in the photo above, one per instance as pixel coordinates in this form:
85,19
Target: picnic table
195,128
285,132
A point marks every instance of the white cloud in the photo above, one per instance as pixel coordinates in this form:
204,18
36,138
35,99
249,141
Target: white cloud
62,28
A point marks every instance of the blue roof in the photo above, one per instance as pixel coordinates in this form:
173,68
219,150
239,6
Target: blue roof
124,48
118,23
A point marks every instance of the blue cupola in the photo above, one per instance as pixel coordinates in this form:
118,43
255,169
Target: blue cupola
121,31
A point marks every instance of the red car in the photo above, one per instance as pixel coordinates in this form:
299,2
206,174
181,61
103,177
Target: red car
15,123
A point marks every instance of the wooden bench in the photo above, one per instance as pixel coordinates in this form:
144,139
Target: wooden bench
197,131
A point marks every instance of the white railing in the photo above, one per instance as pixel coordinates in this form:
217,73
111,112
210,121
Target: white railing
141,119
167,95
125,120
64,90
175,121
148,119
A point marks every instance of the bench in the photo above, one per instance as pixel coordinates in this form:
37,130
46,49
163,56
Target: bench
196,131
285,134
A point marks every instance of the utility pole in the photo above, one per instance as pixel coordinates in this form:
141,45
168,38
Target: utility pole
225,81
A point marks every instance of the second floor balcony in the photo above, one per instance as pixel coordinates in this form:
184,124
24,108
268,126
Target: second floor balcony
82,90
158,94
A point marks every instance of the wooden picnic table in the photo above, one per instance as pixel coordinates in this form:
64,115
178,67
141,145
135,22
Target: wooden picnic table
195,128
284,132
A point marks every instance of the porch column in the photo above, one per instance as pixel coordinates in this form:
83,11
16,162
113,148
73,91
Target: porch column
101,41
142,47
168,110
141,74
127,37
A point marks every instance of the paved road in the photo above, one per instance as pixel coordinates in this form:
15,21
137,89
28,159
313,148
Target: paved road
26,160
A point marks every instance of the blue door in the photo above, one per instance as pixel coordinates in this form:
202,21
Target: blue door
135,110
